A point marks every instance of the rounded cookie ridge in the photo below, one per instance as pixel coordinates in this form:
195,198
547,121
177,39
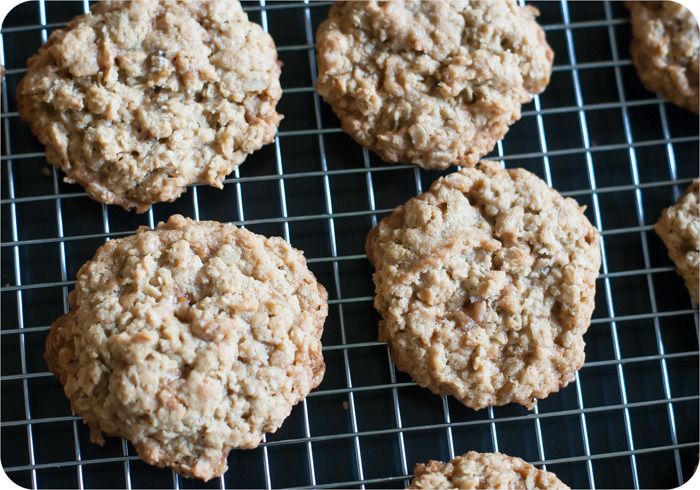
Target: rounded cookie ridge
136,100
483,471
190,340
486,285
665,50
431,83
679,228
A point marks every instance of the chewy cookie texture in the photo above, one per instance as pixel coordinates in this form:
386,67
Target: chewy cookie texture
432,83
190,340
483,471
666,50
486,285
679,228
138,99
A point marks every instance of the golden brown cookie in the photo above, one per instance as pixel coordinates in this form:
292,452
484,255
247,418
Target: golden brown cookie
486,285
431,83
483,471
138,99
190,340
666,50
679,228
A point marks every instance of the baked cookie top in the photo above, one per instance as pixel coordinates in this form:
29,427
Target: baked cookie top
432,83
483,470
679,228
189,340
486,285
138,99
666,50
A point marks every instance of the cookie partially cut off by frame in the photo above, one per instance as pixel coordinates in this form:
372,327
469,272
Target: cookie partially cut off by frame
679,228
138,99
665,50
431,83
486,285
190,340
483,471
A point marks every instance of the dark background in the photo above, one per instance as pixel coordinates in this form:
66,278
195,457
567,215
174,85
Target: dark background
366,423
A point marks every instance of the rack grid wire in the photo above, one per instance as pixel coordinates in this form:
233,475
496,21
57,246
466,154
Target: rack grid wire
629,420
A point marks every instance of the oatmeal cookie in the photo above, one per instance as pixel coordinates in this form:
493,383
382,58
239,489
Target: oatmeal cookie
483,470
666,50
486,285
190,340
679,228
432,83
138,99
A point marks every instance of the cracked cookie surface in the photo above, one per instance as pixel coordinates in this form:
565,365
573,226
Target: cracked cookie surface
679,228
483,471
665,50
486,285
431,83
190,340
139,99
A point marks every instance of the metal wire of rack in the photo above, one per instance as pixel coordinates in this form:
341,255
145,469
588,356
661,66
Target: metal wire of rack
631,418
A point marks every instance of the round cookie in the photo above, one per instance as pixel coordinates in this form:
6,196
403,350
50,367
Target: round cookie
486,285
679,228
190,340
431,83
665,49
136,100
483,471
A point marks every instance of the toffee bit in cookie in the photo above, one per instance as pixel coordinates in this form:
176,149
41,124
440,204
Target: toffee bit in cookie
431,83
138,99
483,471
486,285
190,340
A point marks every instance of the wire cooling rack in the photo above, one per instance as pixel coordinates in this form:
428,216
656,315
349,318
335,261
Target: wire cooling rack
631,418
